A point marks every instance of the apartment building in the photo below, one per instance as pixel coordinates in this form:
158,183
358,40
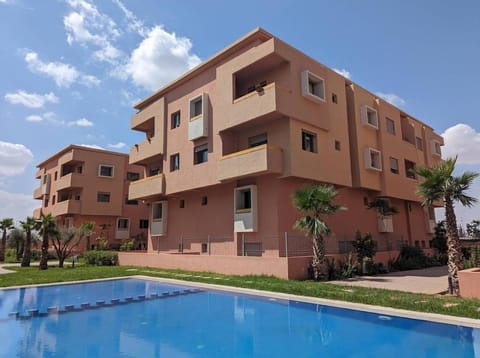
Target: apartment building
80,184
228,144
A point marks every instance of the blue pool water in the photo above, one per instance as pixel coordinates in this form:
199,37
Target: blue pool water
153,319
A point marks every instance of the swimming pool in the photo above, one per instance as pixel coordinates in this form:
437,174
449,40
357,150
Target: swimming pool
146,318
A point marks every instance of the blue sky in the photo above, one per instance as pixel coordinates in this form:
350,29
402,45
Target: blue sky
71,69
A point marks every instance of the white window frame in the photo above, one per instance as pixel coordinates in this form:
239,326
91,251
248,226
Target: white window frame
240,204
123,228
108,166
394,167
433,144
306,78
191,107
394,129
366,110
368,159
159,204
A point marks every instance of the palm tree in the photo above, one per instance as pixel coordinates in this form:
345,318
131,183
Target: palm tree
86,230
440,184
47,227
5,225
317,203
65,242
28,225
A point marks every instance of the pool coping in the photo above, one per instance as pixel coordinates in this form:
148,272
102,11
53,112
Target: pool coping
426,316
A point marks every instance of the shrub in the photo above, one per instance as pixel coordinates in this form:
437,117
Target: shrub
471,257
347,268
365,248
413,258
128,245
100,258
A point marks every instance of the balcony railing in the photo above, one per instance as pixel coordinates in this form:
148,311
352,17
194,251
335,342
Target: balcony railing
264,159
147,187
66,207
71,180
147,150
37,193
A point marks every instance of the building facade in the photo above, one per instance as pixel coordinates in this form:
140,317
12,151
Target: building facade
228,144
80,184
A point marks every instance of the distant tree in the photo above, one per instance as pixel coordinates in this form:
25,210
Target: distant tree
5,225
382,207
439,183
87,230
317,203
47,227
28,226
473,229
439,241
65,242
16,240
365,247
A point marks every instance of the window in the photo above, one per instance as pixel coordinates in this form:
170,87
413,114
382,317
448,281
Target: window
143,224
204,200
80,168
174,162
68,222
103,197
105,171
155,171
45,203
365,200
334,98
369,116
123,224
338,145
394,165
257,140
200,154
132,176
409,167
45,178
130,202
182,203
309,141
55,176
419,143
436,148
53,199
175,120
390,126
243,200
313,86
373,159
157,212
77,197
196,107
204,248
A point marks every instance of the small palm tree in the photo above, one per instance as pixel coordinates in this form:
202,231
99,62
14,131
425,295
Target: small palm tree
28,226
47,227
317,203
5,225
86,230
440,184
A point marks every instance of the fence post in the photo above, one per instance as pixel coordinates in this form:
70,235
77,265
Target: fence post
181,245
286,243
243,244
208,245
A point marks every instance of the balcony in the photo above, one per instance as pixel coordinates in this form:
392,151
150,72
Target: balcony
37,213
267,101
66,207
39,173
264,159
147,187
71,180
37,193
146,151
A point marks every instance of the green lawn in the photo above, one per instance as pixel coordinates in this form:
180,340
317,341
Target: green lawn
416,302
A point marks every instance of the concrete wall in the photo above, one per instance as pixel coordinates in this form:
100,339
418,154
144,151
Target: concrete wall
469,281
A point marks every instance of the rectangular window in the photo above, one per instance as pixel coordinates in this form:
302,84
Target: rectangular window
309,141
132,176
373,159
154,171
204,200
394,165
243,200
334,98
204,248
105,171
80,169
157,212
182,203
436,148
257,140
143,224
55,176
338,145
313,86
175,120
174,162
200,154
53,199
123,224
369,116
419,143
103,197
45,203
409,167
196,106
390,126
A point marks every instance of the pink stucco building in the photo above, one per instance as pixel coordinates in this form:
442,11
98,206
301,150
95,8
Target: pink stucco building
80,184
228,143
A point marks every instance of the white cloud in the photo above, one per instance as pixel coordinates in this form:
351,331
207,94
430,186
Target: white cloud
343,72
158,59
90,81
31,100
63,74
118,145
16,205
83,122
392,98
94,146
50,117
133,23
13,158
464,141
34,118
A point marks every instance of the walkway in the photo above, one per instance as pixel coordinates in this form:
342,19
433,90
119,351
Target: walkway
432,280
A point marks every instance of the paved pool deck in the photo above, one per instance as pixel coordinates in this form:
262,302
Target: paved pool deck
432,280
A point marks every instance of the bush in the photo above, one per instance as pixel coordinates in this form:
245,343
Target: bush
471,256
100,258
128,245
413,258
